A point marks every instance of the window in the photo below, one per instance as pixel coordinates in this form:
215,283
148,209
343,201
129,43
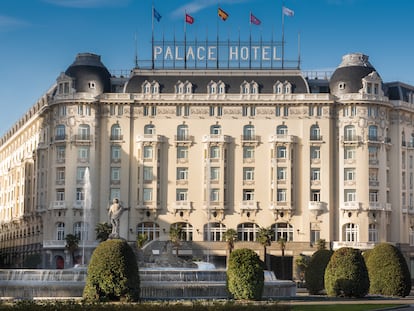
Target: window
150,229
282,231
182,173
248,132
80,194
148,173
60,231
215,130
350,133
214,195
281,195
372,133
186,230
115,153
247,232
282,130
315,236
315,174
84,132
248,173
60,175
116,132
182,132
60,153
181,194
149,129
182,152
373,196
349,174
83,154
350,195
372,233
248,152
286,111
281,152
60,195
351,232
349,153
60,132
281,173
316,195
80,174
248,195
115,174
62,110
214,152
214,232
148,151
277,111
373,154
80,230
214,173
315,133
147,194
315,152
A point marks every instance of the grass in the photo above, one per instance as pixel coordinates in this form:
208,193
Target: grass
343,307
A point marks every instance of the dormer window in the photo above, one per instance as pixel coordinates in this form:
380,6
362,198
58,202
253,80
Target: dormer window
91,84
282,88
371,84
341,86
64,84
150,88
221,87
245,87
254,87
212,87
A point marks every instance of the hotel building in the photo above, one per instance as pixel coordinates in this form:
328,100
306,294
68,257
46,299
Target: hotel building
209,150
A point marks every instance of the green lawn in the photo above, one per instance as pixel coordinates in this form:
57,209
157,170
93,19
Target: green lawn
343,307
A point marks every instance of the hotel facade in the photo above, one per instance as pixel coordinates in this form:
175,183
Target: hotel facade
209,150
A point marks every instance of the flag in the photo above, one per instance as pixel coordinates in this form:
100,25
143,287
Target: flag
189,19
254,20
156,14
288,12
222,14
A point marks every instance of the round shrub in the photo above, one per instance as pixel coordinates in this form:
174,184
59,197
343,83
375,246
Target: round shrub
346,274
112,273
315,271
388,271
245,278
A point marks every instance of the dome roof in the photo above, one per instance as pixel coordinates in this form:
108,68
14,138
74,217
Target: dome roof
89,73
347,78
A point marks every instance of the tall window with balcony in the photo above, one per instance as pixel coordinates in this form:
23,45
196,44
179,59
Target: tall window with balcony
116,133
60,132
60,231
60,175
248,132
181,195
80,174
182,133
315,175
350,195
373,133
84,132
149,129
349,175
350,232
350,133
80,230
315,133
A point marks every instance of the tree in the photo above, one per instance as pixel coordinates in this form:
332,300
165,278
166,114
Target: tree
302,263
230,236
315,271
176,233
264,237
103,230
388,271
141,239
321,244
112,273
346,274
72,244
245,277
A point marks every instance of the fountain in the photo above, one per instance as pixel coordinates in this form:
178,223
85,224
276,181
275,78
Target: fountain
86,211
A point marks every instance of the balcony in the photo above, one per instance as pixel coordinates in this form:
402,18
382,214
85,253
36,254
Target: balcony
282,138
82,139
79,204
377,206
250,139
147,205
61,138
317,206
216,138
54,243
57,205
248,205
316,138
149,138
351,206
281,206
117,137
352,139
186,139
214,206
358,245
182,205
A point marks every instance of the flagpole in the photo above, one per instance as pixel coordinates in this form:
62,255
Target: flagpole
152,38
283,35
218,49
250,41
136,51
185,39
298,50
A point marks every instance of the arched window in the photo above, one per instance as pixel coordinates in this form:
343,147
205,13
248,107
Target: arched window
186,230
84,132
150,229
80,230
350,232
373,133
247,231
149,129
182,132
215,129
282,130
116,132
315,132
349,133
60,132
248,132
60,231
282,230
214,231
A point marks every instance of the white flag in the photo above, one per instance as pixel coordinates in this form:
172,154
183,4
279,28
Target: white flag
288,12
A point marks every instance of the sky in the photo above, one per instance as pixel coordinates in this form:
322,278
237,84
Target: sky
39,39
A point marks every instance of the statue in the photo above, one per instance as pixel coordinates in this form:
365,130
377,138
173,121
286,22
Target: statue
114,213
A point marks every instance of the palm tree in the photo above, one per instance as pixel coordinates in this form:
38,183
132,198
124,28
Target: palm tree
230,236
103,230
141,239
176,233
264,237
72,244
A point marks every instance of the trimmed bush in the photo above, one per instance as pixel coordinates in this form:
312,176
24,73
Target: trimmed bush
112,273
315,271
346,274
245,278
388,271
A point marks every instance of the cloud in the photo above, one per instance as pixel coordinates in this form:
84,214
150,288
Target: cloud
199,5
7,23
82,4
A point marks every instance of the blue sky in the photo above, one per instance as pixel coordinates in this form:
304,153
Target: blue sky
40,38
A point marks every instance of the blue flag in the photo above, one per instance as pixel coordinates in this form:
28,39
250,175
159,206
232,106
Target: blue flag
156,14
